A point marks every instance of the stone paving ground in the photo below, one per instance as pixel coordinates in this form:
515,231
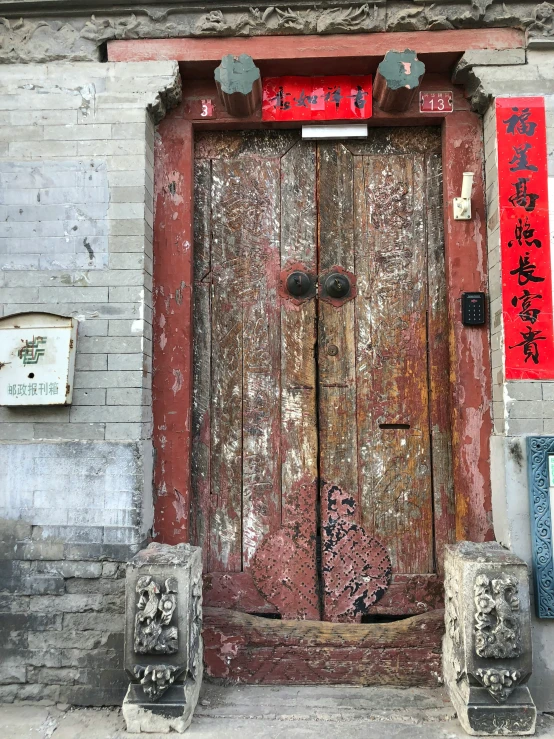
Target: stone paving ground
248,712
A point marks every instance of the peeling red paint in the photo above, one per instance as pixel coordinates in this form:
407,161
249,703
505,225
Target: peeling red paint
172,328
466,264
256,650
356,568
178,384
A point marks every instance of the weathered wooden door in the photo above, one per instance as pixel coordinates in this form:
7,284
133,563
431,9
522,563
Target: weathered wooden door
321,459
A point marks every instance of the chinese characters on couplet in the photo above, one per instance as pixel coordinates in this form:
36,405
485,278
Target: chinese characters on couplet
525,238
341,97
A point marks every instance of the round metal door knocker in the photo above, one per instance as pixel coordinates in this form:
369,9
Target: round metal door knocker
337,285
299,284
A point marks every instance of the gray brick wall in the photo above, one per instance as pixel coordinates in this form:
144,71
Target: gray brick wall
76,173
76,492
76,233
53,217
61,623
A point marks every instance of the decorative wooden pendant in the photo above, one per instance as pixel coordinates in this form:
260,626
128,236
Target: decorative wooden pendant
239,85
397,79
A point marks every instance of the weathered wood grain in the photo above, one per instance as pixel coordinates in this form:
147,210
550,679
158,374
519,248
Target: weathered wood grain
251,649
444,512
260,251
172,327
227,360
470,369
392,400
298,336
234,590
410,594
284,568
336,349
201,390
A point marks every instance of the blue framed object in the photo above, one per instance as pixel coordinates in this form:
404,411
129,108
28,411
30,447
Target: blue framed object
540,467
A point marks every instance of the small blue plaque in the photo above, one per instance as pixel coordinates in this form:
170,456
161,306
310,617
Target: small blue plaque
540,467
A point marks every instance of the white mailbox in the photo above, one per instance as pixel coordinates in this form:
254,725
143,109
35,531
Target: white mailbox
37,359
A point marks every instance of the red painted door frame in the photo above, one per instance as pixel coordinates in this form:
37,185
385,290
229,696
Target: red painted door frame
465,250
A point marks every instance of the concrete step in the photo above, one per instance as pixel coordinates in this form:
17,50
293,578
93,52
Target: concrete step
325,703
257,712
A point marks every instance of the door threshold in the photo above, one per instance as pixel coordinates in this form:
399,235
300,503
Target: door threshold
254,650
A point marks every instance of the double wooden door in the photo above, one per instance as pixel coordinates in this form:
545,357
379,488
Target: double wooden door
321,454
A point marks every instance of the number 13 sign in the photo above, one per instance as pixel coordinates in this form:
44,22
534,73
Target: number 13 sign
435,102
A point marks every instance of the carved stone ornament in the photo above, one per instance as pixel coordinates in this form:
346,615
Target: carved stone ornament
77,35
154,633
499,683
542,26
497,627
163,638
539,448
487,654
155,679
195,636
452,619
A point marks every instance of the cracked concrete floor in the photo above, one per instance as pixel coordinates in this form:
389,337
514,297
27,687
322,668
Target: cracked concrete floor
248,712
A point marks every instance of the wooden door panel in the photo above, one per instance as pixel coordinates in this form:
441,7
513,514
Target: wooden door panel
365,379
336,344
285,566
438,348
227,267
298,336
261,464
246,357
258,443
393,408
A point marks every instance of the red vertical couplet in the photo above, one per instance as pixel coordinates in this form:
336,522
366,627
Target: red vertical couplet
525,239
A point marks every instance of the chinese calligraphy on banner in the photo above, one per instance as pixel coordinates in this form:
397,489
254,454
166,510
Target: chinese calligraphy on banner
525,239
342,97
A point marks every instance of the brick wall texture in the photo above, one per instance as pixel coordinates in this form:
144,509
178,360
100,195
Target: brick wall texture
76,159
76,204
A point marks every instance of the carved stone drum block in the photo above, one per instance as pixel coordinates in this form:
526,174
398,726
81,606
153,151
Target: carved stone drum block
163,638
487,655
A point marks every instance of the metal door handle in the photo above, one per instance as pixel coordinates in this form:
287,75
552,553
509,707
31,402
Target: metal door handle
299,284
337,285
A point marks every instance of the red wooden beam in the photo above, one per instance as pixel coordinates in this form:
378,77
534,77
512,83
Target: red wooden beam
470,366
172,378
333,47
253,650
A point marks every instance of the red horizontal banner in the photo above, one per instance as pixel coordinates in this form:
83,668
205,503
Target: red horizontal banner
341,97
525,239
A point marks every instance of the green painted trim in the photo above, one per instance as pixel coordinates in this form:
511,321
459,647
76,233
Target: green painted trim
394,68
237,75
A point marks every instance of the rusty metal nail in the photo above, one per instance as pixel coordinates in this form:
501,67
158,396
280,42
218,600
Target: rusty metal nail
332,350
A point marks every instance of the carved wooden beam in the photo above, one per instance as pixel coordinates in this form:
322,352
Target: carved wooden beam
397,79
239,85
